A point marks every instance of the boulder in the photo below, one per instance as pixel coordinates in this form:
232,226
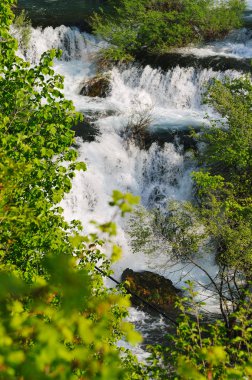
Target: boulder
152,288
181,137
98,86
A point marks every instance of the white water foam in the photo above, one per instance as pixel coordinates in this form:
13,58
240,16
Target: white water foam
237,45
173,99
249,4
74,44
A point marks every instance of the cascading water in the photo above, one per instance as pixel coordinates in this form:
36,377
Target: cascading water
237,44
74,45
157,174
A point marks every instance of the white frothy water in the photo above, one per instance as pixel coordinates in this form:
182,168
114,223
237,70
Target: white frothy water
175,96
237,45
158,174
74,45
249,4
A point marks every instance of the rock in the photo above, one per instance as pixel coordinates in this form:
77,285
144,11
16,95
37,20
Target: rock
171,59
153,288
92,116
98,86
179,137
87,131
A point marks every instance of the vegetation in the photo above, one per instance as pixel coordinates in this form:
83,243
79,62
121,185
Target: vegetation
136,128
224,185
217,223
57,320
132,27
23,26
203,351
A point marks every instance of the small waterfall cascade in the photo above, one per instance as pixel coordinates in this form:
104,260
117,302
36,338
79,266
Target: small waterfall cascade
238,44
178,88
75,45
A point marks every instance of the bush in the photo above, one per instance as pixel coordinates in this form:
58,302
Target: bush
203,350
57,319
131,26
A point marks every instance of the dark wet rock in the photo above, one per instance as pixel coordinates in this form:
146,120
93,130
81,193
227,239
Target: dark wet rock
98,86
92,116
172,59
248,18
144,138
152,288
87,131
179,137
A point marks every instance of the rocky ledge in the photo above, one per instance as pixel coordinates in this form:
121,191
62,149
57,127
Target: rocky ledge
216,62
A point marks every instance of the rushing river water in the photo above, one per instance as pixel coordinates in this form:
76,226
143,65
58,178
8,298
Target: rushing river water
158,174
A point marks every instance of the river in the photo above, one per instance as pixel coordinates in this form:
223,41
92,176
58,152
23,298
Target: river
59,12
173,99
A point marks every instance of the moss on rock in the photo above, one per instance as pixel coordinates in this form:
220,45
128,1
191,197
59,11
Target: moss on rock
152,288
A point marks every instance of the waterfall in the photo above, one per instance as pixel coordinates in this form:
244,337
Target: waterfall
158,174
74,44
238,44
178,88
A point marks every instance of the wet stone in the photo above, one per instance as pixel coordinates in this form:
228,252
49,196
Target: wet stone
170,60
98,86
152,288
87,131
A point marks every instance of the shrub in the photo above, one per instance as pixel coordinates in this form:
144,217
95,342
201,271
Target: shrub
131,26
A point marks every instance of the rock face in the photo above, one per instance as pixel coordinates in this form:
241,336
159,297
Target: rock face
153,288
99,86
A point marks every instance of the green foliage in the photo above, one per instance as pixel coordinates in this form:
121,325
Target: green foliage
55,328
23,25
141,231
124,201
177,231
35,126
220,218
7,43
57,319
229,150
157,26
224,186
201,350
